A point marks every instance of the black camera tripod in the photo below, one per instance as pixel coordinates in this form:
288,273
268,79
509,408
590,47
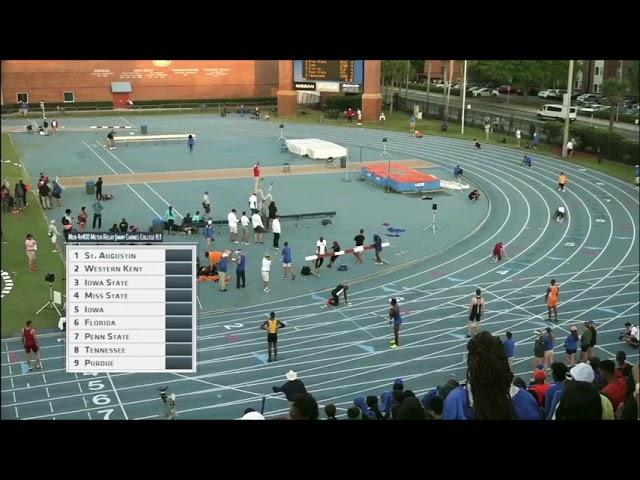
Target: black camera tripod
50,304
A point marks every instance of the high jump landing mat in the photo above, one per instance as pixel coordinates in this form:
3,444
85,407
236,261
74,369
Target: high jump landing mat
399,178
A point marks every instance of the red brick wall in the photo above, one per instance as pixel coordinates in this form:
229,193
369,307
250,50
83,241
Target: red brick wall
90,80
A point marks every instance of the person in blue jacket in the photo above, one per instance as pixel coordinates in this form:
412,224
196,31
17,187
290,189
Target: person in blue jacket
489,394
571,345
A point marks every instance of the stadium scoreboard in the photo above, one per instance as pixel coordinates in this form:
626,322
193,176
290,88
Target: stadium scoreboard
131,308
337,70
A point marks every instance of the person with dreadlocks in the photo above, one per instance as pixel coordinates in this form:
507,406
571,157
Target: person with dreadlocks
489,394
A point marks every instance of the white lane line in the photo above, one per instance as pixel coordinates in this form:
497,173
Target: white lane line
126,417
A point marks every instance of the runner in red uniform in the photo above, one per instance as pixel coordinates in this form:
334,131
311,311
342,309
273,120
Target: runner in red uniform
30,344
498,252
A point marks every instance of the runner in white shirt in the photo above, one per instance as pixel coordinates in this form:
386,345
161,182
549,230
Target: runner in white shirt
244,221
321,249
258,227
266,268
233,225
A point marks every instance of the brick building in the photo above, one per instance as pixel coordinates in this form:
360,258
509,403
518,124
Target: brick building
71,81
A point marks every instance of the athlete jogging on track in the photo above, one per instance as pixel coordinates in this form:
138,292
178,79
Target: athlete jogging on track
394,316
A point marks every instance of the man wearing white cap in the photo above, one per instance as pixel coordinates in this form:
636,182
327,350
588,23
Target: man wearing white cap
292,387
251,414
583,372
266,268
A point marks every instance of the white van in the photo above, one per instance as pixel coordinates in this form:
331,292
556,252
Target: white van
557,111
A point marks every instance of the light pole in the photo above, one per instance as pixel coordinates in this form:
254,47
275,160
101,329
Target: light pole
567,105
42,107
464,95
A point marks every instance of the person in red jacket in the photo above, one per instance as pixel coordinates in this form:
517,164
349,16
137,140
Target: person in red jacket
30,344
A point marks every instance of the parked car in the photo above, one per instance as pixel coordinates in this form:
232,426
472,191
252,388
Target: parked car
589,97
508,89
547,93
485,92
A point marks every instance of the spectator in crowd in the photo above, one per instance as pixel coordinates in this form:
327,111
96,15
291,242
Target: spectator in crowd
585,343
630,409
623,368
616,388
330,411
559,373
580,401
123,226
373,410
304,407
244,223
539,388
598,379
434,408
509,348
114,228
411,409
354,413
571,346
251,414
397,398
548,348
518,136
196,217
412,123
291,387
582,372
538,349
489,394
594,334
